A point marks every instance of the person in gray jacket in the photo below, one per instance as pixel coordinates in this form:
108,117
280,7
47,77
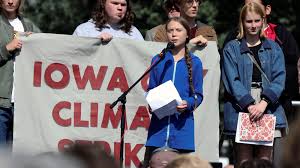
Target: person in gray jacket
11,23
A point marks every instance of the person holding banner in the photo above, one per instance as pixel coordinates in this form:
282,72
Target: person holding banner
11,23
253,73
185,70
110,18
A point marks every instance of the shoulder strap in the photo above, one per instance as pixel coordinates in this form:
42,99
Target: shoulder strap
256,64
259,68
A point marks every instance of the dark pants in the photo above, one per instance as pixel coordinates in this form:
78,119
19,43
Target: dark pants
244,152
6,125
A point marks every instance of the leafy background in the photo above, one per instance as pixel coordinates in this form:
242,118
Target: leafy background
63,16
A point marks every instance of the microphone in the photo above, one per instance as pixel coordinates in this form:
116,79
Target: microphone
170,46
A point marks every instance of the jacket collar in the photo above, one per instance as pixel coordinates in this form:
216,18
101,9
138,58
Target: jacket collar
244,48
6,20
169,56
19,16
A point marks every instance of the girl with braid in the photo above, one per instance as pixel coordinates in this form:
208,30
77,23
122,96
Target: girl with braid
184,69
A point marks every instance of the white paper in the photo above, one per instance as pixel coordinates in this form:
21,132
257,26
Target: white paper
237,136
162,95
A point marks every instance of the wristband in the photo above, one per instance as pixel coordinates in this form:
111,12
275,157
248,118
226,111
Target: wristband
266,100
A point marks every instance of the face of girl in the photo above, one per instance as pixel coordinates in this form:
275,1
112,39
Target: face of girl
252,23
10,6
116,10
176,33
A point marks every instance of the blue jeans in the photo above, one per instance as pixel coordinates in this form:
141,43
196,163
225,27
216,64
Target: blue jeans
6,125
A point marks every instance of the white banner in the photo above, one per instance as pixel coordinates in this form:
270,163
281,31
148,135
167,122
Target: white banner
65,85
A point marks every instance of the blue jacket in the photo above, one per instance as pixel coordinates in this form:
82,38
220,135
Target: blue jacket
237,77
181,127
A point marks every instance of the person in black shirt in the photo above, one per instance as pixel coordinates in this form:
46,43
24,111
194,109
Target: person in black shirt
289,46
253,73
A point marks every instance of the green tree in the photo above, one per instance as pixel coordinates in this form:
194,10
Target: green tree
63,16
57,16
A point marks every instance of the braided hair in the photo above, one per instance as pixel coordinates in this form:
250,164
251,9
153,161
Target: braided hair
187,56
188,60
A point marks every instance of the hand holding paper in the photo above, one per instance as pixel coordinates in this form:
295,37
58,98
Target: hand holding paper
182,107
164,99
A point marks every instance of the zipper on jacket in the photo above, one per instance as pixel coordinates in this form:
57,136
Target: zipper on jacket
169,117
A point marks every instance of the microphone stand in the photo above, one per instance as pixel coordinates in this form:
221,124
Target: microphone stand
122,99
